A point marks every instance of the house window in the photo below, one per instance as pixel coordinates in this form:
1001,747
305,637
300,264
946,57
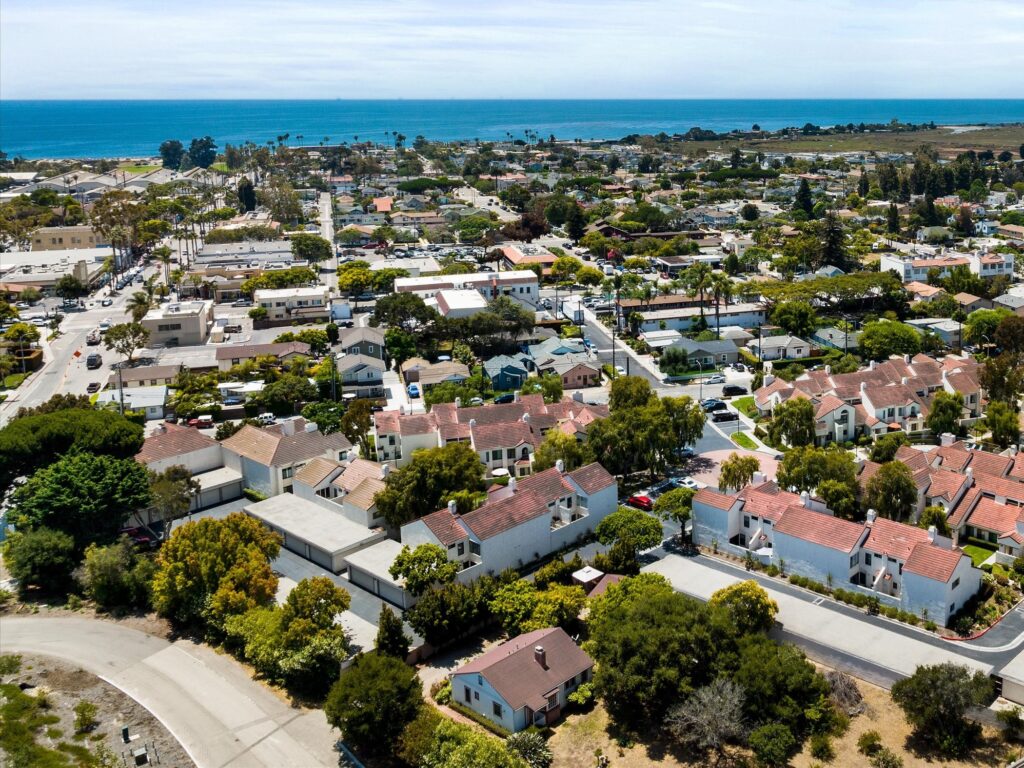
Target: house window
465,693
462,548
510,453
855,559
746,521
496,707
474,547
956,583
476,695
496,455
867,558
287,472
479,679
369,348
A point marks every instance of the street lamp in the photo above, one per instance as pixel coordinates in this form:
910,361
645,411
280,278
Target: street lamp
700,379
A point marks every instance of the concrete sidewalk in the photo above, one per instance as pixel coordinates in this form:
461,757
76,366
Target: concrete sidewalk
851,643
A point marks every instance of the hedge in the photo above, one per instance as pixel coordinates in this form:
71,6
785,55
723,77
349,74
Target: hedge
857,599
491,726
253,495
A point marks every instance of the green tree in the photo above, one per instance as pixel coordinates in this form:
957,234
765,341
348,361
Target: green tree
832,240
69,287
882,338
1004,424
935,515
935,700
798,318
423,567
549,385
309,247
458,746
282,397
172,152
675,505
737,471
558,445
424,484
32,440
557,606
391,638
891,491
805,468
804,201
355,424
945,414
981,325
246,195
531,747
116,575
575,223
651,645
780,684
840,497
749,212
513,605
892,219
749,606
793,423
88,497
137,306
41,557
126,339
211,569
373,701
629,531
710,717
172,493
885,447
202,152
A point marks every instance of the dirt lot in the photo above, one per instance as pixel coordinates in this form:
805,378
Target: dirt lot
67,685
577,738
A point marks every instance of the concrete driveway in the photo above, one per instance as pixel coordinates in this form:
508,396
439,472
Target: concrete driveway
206,700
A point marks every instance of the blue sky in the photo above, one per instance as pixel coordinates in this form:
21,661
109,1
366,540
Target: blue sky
511,49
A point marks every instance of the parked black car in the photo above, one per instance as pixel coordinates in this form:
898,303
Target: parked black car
509,398
732,390
720,416
713,405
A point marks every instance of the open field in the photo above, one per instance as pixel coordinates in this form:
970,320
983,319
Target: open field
139,168
947,141
578,738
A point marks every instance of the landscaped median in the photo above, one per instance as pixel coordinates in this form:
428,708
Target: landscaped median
743,440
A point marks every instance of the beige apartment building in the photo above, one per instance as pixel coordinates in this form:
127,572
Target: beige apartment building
67,238
185,323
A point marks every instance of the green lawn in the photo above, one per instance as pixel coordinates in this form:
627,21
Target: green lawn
745,405
222,167
139,168
977,553
743,440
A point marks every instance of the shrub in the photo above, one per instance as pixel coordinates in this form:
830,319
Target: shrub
253,495
772,570
821,747
41,558
772,744
85,716
10,664
531,747
583,695
869,743
886,758
441,691
1011,720
930,625
475,716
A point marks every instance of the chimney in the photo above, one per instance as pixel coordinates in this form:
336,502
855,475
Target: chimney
969,472
515,396
906,359
512,484
452,507
828,370
458,402
472,423
871,365
946,439
401,410
805,498
863,387
560,466
932,533
871,517
758,478
904,381
526,418
945,377
767,379
540,656
385,470
288,427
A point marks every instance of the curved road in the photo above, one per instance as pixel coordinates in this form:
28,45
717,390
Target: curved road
207,701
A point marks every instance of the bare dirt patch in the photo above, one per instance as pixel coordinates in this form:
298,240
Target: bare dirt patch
66,685
578,737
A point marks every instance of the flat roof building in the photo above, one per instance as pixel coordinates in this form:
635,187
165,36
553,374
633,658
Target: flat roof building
185,323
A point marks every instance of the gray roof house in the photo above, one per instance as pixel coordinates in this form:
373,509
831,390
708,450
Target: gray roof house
708,353
836,338
361,374
780,348
363,341
506,372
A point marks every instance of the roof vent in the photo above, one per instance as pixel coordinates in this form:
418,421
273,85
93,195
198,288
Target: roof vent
871,516
472,423
560,466
511,484
385,469
452,506
458,402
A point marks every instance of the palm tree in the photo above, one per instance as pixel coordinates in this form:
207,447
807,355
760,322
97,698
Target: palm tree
722,287
138,305
698,282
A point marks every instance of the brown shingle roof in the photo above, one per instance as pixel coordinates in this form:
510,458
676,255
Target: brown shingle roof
357,471
173,441
489,436
518,677
272,448
592,478
714,498
445,526
499,516
888,537
246,351
317,471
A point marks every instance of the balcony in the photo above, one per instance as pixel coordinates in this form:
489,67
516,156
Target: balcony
565,516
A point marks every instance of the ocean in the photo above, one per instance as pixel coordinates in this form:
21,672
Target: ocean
80,129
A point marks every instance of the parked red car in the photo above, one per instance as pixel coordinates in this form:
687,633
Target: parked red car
641,502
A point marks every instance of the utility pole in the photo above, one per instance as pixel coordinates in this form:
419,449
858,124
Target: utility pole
120,388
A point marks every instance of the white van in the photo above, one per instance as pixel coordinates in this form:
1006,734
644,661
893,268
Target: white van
266,419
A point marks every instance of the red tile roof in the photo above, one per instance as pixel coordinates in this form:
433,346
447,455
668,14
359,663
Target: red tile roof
944,484
933,562
897,540
592,478
767,501
817,527
714,498
487,437
445,526
993,516
496,517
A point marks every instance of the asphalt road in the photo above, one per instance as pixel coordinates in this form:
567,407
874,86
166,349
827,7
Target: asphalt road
206,700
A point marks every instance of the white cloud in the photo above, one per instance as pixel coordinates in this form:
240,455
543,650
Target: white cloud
503,49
